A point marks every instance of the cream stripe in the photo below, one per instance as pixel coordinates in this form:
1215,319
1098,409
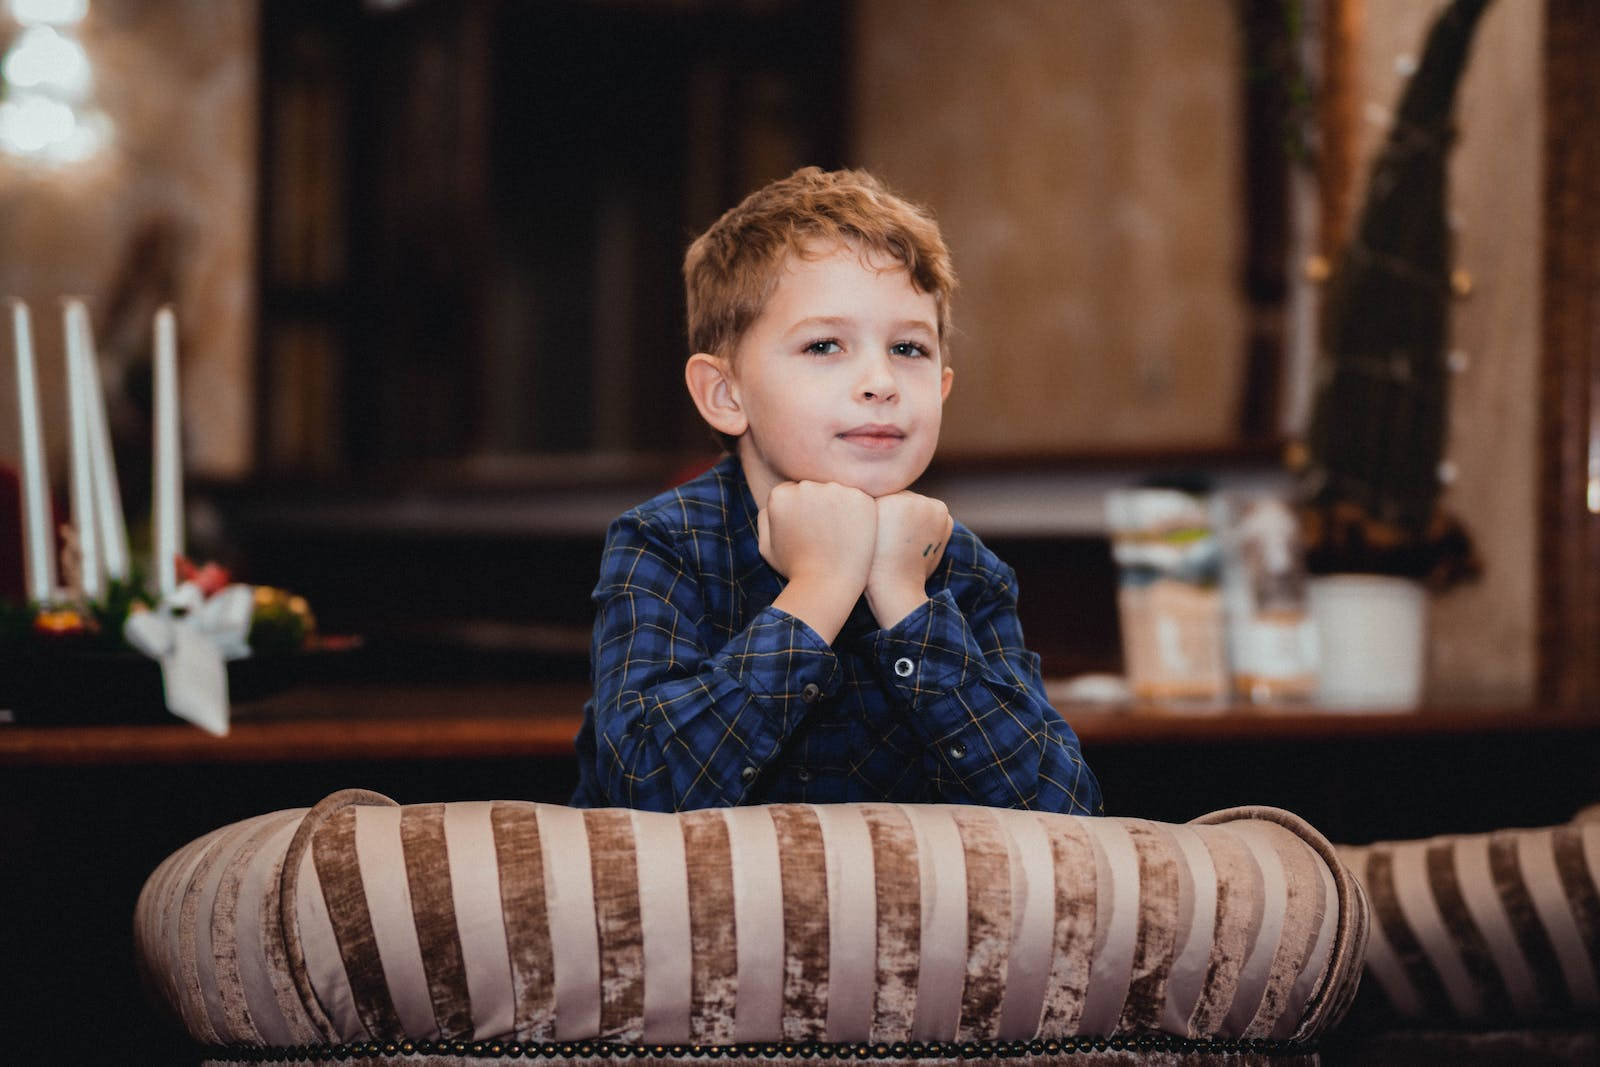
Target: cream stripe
1189,964
1033,923
475,892
1257,970
229,847
394,929
757,923
1118,899
192,986
1414,894
1536,855
1314,967
205,915
324,964
1381,962
574,935
265,1011
664,920
942,970
1476,881
852,921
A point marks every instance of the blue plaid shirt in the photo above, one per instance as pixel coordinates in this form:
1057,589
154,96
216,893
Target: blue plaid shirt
707,696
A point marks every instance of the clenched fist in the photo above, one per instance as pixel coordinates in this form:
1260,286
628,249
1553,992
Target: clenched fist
912,532
821,536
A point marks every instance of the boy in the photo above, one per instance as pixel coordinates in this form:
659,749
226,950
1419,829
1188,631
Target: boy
795,625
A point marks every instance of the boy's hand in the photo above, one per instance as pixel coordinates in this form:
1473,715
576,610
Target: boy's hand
912,534
819,535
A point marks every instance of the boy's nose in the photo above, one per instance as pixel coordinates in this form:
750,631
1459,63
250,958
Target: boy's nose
877,381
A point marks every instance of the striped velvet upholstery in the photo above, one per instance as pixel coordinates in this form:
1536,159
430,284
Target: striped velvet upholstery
361,921
1484,930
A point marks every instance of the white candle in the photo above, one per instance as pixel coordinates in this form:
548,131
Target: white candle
112,530
83,516
38,548
168,505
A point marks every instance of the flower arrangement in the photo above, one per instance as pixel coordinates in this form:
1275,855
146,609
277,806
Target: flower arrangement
280,622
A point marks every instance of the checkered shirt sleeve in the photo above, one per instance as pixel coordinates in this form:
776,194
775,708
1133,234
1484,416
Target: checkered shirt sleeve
973,694
679,725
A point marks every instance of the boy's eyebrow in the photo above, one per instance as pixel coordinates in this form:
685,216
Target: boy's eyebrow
836,322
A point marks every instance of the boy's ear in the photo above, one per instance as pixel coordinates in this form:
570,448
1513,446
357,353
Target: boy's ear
946,379
710,382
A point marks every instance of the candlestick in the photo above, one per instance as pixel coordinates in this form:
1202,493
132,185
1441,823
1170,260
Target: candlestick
38,546
168,505
112,529
90,567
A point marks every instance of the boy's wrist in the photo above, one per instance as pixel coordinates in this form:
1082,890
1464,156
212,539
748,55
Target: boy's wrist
821,601
892,601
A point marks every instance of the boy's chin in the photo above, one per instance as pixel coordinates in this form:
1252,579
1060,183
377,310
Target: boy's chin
873,486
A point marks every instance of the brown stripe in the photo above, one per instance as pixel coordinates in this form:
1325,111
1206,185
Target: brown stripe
1579,886
988,923
1077,892
434,911
1156,942
711,927
309,1022
333,854
1302,922
615,870
1476,955
804,869
1435,1002
522,905
224,931
1240,904
899,889
196,1014
1531,935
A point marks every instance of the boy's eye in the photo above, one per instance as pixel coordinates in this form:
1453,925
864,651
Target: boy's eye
909,348
825,347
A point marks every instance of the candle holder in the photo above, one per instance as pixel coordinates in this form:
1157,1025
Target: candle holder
102,645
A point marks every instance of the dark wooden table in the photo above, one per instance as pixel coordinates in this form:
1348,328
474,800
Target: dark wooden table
371,721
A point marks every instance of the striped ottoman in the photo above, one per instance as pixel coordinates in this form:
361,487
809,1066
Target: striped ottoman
1485,948
476,932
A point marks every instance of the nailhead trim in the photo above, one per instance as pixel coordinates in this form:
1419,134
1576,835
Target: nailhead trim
899,1050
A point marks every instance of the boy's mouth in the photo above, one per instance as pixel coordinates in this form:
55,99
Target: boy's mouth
875,435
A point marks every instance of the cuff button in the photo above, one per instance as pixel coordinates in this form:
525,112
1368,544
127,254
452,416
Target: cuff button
803,774
956,750
811,693
903,667
748,775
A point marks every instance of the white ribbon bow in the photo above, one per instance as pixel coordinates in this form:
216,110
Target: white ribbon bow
193,636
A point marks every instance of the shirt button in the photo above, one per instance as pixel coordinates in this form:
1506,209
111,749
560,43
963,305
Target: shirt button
811,692
903,667
804,774
748,775
956,750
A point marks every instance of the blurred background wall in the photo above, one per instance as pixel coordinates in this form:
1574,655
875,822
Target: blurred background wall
461,266
165,213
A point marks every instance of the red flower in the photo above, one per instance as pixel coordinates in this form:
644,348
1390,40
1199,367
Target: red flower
210,578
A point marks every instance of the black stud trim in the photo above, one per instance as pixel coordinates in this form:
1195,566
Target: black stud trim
404,1048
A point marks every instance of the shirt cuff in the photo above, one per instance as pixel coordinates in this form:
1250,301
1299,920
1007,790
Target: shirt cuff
929,652
780,659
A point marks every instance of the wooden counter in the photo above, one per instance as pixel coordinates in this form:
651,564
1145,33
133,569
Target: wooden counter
367,721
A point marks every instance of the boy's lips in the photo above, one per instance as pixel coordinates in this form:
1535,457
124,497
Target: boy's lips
875,435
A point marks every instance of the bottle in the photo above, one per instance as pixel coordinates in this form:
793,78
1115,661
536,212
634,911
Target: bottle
1271,640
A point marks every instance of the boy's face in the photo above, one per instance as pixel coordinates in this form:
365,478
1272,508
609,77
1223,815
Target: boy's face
841,377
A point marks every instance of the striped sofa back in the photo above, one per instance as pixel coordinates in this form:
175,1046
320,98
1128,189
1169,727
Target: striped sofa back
1484,929
894,930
